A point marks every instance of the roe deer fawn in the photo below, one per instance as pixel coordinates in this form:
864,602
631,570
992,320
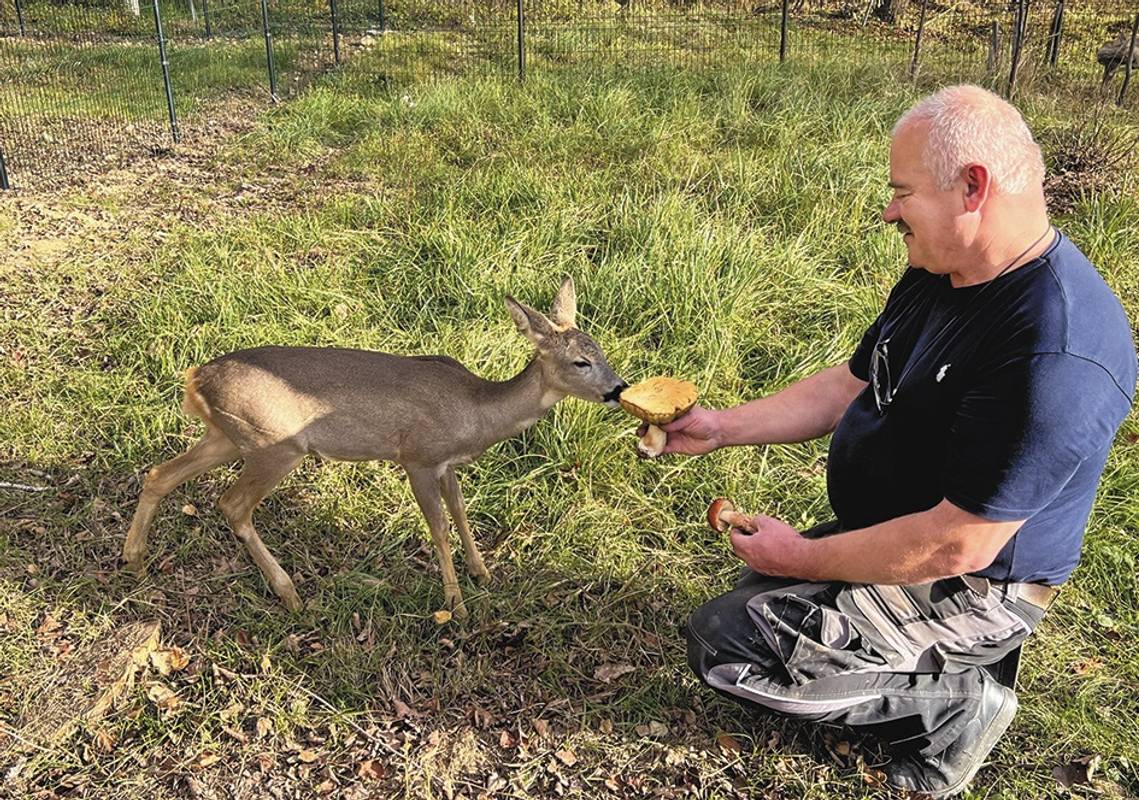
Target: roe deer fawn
271,406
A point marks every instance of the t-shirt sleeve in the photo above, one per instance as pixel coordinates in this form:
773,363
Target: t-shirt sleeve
1023,430
860,361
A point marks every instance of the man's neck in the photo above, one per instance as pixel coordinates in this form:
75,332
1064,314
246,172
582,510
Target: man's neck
1004,251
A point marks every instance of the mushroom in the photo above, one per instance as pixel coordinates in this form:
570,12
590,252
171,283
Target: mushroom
658,401
723,516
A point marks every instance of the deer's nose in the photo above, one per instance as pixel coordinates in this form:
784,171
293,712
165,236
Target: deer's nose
615,393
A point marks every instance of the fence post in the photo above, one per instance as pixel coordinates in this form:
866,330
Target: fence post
206,14
3,172
917,44
521,42
165,71
783,32
1127,68
335,31
383,22
20,17
994,63
1017,40
1055,32
269,50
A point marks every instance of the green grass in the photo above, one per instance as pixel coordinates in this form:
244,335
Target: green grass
721,224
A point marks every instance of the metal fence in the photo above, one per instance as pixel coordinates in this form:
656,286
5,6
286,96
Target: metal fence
86,83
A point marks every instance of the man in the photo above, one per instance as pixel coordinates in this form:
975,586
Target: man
970,429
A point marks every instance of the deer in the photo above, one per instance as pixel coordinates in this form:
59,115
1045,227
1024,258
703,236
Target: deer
1114,55
272,406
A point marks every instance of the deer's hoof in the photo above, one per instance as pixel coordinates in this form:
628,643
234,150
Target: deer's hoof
480,574
291,599
135,564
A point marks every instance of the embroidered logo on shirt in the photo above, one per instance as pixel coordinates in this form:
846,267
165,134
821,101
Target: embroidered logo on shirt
941,372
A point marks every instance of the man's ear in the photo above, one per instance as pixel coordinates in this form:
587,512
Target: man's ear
563,312
531,324
978,186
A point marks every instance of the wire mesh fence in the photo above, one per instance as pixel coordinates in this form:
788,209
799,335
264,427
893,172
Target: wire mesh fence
84,82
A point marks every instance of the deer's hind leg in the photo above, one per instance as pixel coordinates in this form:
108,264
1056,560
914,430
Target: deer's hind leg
210,451
263,470
453,496
425,487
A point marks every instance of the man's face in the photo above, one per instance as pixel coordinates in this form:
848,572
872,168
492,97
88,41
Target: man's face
928,217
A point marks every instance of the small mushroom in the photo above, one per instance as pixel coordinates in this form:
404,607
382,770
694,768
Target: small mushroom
723,516
716,520
658,401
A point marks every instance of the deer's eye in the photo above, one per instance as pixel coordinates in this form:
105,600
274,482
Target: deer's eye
582,364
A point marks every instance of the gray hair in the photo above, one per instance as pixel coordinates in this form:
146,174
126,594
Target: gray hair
971,125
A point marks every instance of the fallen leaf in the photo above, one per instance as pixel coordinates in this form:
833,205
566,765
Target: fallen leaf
370,770
402,709
842,748
167,661
441,617
482,718
308,756
104,741
1077,772
610,672
506,741
727,743
207,759
541,727
567,757
266,663
1088,665
234,733
264,727
654,729
231,712
190,510
162,696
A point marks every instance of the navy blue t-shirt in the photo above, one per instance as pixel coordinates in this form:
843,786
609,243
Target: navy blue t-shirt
1002,397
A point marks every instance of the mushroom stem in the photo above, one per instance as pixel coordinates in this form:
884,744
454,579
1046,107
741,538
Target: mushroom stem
652,443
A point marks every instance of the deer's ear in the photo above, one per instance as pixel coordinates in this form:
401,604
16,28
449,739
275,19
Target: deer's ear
531,324
563,312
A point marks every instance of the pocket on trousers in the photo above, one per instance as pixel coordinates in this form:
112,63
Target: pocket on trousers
811,639
933,627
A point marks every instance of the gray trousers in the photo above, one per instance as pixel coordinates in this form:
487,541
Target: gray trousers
901,662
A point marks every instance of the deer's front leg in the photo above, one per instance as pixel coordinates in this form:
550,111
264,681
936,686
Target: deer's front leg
453,496
425,487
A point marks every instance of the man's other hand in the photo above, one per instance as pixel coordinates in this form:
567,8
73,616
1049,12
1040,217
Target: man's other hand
696,433
771,547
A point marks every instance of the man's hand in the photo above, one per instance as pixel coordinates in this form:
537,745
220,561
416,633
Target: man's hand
771,547
696,433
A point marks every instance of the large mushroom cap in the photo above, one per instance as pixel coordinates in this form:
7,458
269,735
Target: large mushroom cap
659,400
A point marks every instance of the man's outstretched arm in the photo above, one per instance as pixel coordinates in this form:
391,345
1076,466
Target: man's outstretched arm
804,410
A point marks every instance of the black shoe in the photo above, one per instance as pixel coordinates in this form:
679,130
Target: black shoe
949,772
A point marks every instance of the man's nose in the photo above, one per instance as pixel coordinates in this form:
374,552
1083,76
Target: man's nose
890,213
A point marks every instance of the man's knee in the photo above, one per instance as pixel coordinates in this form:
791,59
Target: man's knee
721,632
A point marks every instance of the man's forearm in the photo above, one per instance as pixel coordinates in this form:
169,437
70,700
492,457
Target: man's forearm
916,548
804,410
